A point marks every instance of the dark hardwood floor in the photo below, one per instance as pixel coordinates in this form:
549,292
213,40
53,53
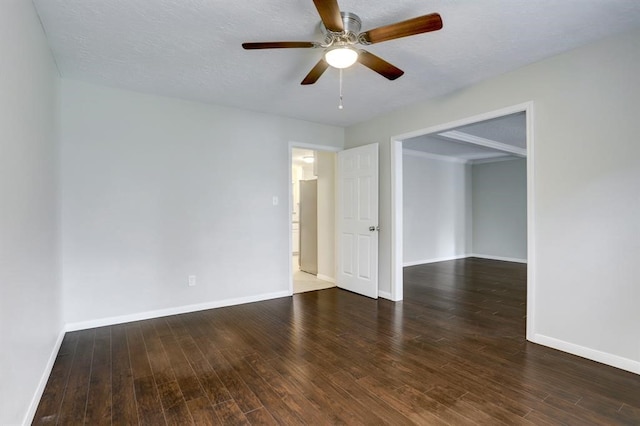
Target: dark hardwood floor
453,352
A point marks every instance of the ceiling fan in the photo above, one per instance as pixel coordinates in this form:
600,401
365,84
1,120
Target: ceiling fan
341,32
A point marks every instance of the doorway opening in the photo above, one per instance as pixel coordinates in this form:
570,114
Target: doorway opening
312,203
475,180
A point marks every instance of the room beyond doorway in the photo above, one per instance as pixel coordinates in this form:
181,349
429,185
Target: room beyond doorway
303,281
312,219
462,131
465,193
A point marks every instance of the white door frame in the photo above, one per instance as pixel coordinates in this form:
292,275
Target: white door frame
397,200
301,145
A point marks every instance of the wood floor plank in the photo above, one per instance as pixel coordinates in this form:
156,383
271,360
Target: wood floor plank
159,362
369,400
278,407
124,406
202,412
233,382
230,414
285,390
261,416
452,352
176,411
407,407
100,384
150,410
423,404
323,393
494,408
74,403
49,406
185,376
138,356
208,379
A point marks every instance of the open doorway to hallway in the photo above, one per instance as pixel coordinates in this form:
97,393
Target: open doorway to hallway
313,219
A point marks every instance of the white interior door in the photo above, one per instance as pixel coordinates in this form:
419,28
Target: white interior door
358,220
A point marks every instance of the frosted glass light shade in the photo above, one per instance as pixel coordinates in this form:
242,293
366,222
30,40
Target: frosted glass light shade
341,57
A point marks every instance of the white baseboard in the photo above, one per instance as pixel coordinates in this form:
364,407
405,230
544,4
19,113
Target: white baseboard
463,256
31,412
588,353
326,278
83,325
385,295
504,259
434,260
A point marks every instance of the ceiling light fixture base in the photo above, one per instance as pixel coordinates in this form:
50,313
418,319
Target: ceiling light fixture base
352,25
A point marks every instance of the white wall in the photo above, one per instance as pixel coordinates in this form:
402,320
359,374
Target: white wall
586,179
326,167
499,209
435,207
156,189
30,293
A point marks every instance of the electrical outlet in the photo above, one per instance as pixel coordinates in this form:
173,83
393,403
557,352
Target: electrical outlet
192,280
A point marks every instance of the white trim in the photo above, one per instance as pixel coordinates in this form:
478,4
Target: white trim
396,198
314,147
430,156
523,107
33,406
434,260
487,158
289,212
385,295
477,140
396,221
83,325
493,159
463,256
501,258
531,235
326,278
588,353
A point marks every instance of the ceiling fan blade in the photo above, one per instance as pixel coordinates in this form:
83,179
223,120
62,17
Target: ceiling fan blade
419,25
329,12
379,65
316,72
280,45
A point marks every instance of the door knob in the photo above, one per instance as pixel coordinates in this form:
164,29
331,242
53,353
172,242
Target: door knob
374,228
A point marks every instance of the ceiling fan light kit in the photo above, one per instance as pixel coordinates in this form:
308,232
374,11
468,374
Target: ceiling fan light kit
341,57
341,32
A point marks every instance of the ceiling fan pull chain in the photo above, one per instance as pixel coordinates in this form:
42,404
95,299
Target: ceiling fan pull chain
340,104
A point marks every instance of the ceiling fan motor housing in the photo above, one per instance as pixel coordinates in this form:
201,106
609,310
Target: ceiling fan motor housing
352,25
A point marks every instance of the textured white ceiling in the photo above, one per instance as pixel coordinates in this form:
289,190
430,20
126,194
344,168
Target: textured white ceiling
508,130
440,147
191,49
